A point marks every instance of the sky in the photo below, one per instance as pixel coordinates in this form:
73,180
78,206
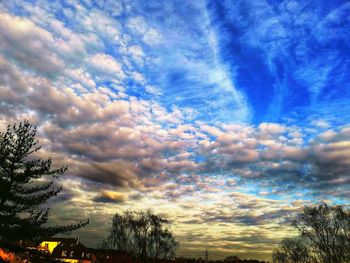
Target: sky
224,117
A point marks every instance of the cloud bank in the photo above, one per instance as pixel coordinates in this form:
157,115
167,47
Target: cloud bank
150,110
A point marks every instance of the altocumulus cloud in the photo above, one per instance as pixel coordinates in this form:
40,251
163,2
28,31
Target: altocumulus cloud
88,75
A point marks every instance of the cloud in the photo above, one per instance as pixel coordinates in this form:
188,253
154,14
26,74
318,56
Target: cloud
29,40
82,77
152,37
117,173
104,63
133,145
107,28
293,63
110,197
277,155
137,25
143,105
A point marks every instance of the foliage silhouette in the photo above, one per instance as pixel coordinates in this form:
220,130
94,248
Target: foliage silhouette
26,184
142,234
324,236
292,250
279,256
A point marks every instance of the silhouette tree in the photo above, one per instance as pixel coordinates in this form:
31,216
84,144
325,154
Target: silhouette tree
279,257
142,234
295,250
324,236
327,231
26,184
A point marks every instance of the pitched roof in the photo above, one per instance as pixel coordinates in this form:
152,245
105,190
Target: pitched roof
61,239
71,248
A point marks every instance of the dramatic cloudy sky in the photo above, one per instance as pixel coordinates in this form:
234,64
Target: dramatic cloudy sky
225,117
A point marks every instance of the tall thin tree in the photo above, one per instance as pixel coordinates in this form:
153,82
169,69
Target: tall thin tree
26,184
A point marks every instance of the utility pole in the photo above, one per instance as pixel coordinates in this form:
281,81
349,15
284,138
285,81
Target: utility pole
206,255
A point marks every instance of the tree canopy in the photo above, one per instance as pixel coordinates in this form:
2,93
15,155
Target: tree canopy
324,237
142,234
26,184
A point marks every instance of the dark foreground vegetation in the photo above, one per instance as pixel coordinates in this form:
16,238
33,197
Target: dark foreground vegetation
28,182
324,237
141,234
72,250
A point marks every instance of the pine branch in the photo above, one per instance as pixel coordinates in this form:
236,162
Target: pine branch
23,192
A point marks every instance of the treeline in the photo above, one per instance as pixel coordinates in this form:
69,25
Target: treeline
229,259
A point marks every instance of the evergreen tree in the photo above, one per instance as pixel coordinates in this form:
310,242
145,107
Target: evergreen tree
26,184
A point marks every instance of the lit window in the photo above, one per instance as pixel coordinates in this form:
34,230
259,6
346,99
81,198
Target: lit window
64,253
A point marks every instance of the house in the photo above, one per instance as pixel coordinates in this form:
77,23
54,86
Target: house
71,250
67,250
49,244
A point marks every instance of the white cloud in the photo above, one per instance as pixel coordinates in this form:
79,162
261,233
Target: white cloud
152,37
34,45
153,90
138,77
104,26
136,51
79,75
106,64
107,136
137,25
